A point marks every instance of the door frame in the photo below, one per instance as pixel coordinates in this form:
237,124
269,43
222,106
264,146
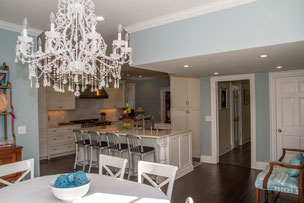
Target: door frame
272,105
214,114
162,102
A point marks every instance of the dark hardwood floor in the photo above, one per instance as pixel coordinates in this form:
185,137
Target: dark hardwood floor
207,183
239,156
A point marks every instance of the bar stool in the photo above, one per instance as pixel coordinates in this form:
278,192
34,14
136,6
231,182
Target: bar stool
97,144
136,148
115,146
81,142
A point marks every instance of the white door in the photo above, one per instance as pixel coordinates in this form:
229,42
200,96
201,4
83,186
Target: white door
290,113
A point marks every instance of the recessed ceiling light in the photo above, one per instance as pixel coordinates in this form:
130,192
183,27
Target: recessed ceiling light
100,18
216,73
128,74
140,76
186,66
264,56
279,67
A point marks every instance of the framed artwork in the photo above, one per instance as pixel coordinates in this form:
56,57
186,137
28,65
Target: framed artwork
224,103
3,77
246,97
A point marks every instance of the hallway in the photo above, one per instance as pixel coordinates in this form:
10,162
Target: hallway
239,156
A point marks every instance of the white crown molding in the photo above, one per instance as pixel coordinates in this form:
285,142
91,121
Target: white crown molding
188,13
17,28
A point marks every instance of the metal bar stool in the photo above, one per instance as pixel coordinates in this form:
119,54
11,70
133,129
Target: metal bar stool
83,142
97,144
136,148
115,145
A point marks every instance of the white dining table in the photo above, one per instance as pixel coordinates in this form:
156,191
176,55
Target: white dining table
103,189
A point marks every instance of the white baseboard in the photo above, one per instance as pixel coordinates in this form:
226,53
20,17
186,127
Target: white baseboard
245,140
261,165
207,159
196,154
184,171
226,149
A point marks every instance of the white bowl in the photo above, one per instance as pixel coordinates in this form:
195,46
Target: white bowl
70,194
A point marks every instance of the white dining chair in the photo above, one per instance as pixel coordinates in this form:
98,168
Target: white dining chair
106,161
26,166
149,168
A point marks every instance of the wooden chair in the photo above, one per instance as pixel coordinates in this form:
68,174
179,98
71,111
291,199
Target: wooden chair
112,161
162,170
26,166
266,179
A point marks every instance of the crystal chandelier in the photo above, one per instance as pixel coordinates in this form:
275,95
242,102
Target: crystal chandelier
74,54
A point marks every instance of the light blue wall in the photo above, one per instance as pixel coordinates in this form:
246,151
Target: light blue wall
147,95
262,117
206,111
261,23
25,99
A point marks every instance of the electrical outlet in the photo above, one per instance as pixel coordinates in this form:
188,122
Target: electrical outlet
208,118
21,130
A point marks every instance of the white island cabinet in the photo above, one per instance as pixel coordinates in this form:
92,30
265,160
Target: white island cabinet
172,146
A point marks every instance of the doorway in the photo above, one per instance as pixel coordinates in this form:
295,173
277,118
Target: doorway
234,123
215,120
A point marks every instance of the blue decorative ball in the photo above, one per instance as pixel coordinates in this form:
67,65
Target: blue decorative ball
71,180
62,182
80,178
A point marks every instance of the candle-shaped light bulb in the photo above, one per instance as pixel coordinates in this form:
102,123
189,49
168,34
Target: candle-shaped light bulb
52,20
40,44
25,25
52,17
93,28
127,39
119,32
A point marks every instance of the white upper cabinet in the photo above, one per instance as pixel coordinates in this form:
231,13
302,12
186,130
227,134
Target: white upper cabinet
60,101
116,98
179,92
185,92
194,93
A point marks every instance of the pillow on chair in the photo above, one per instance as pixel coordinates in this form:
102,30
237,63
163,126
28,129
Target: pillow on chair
295,161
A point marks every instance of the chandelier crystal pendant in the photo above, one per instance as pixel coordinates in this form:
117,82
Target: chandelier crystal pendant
74,53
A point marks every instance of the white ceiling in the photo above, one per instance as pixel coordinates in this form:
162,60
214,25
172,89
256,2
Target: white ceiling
290,56
127,12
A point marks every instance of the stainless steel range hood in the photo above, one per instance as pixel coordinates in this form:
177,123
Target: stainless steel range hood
99,94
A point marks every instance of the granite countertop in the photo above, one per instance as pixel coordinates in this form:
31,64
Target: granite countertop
143,133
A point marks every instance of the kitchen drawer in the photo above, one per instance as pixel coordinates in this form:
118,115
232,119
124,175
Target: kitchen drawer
62,148
62,130
61,138
43,150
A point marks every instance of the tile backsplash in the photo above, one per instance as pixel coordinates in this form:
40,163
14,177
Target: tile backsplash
85,109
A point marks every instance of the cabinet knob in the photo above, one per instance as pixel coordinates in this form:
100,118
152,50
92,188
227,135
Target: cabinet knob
279,130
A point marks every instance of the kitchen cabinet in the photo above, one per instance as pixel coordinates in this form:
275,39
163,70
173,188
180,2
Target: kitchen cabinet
60,101
185,110
116,98
185,92
60,141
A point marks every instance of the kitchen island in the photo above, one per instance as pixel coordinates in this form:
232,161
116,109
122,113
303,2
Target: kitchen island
172,146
